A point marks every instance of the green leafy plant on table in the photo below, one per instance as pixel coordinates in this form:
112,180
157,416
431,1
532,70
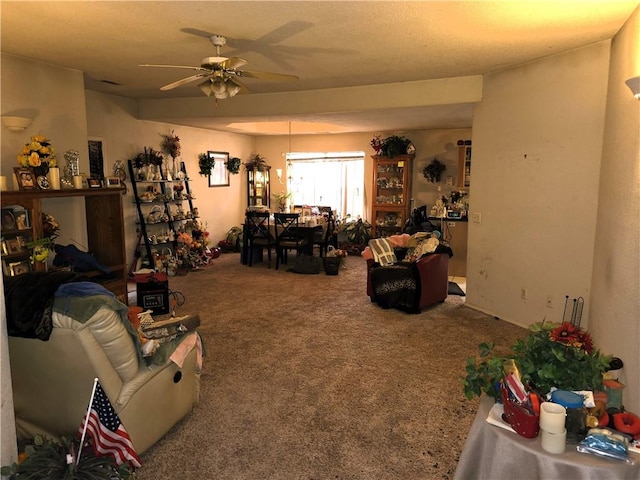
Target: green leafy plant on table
552,355
46,459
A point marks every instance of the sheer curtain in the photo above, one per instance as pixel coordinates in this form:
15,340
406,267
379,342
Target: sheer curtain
328,179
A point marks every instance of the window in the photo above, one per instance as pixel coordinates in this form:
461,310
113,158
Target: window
328,179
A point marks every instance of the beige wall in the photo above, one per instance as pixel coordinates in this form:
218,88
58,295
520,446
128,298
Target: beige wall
615,298
537,139
112,118
429,145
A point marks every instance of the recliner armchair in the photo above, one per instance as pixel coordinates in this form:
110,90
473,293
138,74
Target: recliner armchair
52,379
418,280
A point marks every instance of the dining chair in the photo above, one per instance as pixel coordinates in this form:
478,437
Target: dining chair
258,234
288,236
324,238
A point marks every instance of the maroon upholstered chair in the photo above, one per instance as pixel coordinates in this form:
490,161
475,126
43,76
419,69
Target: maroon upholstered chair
431,275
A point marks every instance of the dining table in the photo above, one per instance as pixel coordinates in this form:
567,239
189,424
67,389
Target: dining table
306,230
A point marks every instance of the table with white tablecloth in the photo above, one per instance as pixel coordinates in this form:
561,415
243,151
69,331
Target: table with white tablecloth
495,453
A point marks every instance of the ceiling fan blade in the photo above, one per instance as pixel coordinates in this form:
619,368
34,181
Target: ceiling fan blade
184,81
233,63
266,75
177,66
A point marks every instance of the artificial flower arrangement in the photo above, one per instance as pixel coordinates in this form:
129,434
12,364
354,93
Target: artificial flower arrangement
171,145
37,153
552,355
192,251
148,157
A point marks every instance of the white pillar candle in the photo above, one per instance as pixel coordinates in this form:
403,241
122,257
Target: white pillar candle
54,178
552,417
3,183
14,179
553,442
77,181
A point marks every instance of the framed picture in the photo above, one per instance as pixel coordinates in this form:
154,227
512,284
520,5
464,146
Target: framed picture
96,157
219,176
18,268
26,178
94,182
306,212
8,219
113,182
22,219
14,245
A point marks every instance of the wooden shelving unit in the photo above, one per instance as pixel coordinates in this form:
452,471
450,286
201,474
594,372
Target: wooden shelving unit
105,229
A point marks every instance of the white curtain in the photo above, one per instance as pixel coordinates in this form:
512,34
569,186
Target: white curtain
335,180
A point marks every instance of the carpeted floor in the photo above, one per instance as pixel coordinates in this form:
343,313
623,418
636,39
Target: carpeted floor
305,378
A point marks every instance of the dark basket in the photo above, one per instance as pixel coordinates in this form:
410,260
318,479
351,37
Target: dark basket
331,265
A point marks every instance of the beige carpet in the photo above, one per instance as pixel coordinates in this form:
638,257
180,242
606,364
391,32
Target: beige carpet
305,378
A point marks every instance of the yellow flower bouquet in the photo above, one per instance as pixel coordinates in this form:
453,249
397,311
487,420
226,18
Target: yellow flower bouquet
38,153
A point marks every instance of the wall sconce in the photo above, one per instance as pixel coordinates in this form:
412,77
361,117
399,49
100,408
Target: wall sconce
634,84
279,174
16,124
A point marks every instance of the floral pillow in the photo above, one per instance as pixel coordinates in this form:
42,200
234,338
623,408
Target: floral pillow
424,245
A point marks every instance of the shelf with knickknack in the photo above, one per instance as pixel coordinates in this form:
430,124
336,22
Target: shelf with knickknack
391,194
23,231
164,204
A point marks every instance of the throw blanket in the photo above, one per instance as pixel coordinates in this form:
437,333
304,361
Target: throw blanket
396,285
29,302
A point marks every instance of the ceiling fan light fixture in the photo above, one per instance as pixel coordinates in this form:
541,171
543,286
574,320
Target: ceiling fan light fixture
206,87
222,95
232,87
218,86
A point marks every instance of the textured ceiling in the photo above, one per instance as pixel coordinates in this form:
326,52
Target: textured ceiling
328,45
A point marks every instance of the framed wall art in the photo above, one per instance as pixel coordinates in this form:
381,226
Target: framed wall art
219,176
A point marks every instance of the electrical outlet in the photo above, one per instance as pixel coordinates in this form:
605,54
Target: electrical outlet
549,302
523,293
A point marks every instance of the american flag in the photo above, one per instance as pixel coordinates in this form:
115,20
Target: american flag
108,433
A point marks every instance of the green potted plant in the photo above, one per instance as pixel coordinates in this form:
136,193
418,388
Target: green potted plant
356,235
392,146
233,165
552,355
257,163
46,458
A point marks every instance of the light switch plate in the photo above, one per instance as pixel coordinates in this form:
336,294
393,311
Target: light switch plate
476,217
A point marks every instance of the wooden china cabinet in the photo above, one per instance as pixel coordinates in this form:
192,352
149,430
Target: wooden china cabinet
391,194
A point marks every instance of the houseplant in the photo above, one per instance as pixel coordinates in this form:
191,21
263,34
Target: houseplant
357,234
433,171
391,146
205,163
257,163
233,165
552,355
46,458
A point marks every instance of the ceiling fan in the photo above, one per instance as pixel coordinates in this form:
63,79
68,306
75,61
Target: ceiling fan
221,74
